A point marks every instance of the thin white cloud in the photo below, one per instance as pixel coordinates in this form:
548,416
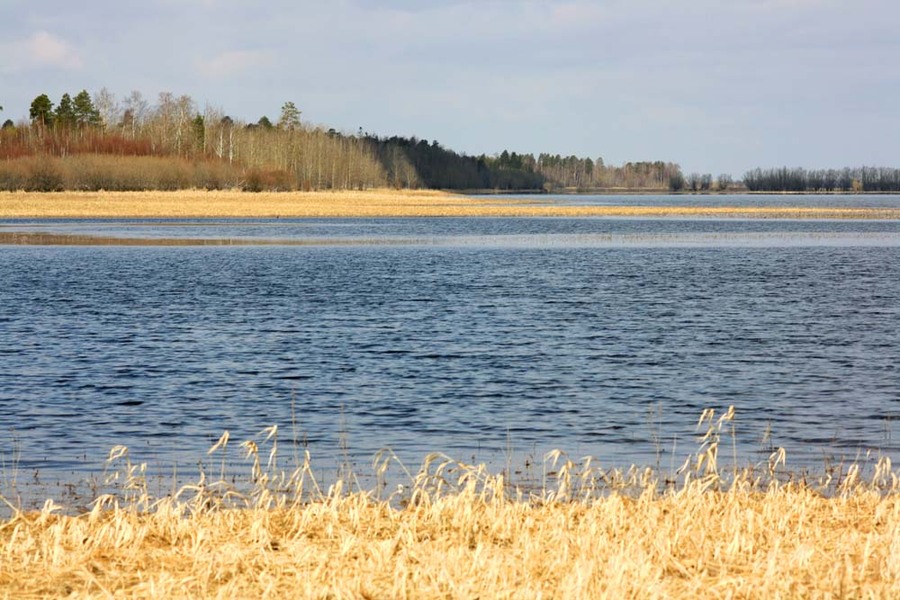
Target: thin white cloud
42,50
234,62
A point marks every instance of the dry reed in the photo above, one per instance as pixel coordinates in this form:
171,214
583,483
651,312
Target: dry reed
459,532
368,203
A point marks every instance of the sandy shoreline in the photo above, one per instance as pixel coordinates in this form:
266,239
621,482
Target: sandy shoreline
369,204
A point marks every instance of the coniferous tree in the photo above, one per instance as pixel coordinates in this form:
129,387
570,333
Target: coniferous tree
86,114
65,112
290,116
41,111
199,129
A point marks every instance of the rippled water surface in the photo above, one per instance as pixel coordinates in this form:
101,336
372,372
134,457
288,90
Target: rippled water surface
486,339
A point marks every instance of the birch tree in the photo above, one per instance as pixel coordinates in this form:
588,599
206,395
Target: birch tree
108,107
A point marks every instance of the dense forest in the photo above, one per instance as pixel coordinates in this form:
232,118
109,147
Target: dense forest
92,142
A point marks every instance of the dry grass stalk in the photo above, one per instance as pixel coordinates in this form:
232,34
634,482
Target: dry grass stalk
787,541
368,203
459,532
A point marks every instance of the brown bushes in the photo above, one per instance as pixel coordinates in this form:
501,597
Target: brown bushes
32,175
125,173
33,141
267,180
94,172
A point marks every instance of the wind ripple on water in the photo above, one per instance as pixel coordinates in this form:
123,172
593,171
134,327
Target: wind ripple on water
610,351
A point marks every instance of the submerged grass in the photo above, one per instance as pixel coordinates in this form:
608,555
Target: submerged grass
457,531
367,203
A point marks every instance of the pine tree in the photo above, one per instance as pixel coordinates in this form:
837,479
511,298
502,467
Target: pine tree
290,116
86,114
41,111
65,112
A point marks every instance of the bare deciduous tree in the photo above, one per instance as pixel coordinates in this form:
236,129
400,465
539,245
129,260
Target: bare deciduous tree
108,107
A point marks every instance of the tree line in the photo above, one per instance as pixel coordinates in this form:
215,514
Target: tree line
98,141
85,141
585,174
860,179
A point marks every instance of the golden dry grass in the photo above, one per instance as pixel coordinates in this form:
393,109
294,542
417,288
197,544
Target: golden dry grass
461,533
370,203
786,542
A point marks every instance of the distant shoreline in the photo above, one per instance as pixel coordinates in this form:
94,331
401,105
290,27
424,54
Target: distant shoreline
656,192
198,204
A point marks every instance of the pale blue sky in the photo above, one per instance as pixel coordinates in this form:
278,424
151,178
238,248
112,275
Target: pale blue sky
717,86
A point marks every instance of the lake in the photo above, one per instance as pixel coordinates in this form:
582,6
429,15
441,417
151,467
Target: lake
490,340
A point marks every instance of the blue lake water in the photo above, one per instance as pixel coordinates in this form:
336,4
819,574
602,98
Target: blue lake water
487,339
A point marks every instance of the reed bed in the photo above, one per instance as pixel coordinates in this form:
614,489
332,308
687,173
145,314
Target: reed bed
366,203
457,531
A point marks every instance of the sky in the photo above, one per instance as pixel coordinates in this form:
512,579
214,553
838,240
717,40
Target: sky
716,86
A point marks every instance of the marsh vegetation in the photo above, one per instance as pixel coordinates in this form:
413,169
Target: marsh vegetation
458,530
381,203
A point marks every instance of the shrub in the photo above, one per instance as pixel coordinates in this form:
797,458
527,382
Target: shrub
268,180
45,174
